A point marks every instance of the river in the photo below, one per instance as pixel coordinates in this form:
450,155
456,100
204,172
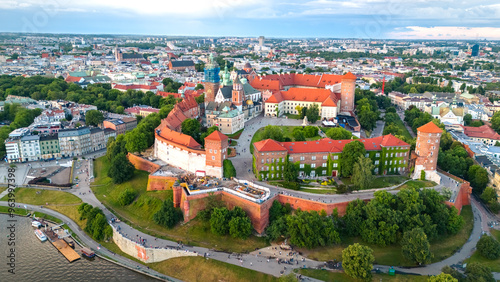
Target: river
40,261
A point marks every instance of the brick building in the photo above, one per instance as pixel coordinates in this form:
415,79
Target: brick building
426,151
181,65
322,157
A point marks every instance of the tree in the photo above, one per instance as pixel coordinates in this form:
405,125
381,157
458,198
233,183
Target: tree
199,86
442,277
489,195
200,99
191,127
313,113
77,125
136,141
350,154
338,133
273,132
219,221
476,271
165,110
229,170
290,172
240,227
488,247
167,215
495,121
362,173
478,178
413,90
94,117
467,119
298,134
126,197
121,169
357,261
416,247
310,131
476,123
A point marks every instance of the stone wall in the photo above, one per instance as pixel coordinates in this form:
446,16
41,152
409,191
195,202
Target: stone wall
308,205
147,255
142,164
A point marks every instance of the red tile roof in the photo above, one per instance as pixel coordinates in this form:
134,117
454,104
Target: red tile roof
349,75
276,82
430,127
269,145
275,98
329,103
216,136
328,145
179,138
483,131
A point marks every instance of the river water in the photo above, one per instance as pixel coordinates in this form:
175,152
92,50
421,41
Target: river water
40,261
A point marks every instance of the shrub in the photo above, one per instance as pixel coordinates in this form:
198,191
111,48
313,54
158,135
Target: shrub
126,197
488,247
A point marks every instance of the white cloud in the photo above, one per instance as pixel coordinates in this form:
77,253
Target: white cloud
446,32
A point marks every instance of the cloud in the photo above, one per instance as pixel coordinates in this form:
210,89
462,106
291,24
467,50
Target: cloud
446,32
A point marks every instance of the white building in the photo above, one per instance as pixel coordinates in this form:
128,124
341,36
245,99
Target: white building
30,148
12,149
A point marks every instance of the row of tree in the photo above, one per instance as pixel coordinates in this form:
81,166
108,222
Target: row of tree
97,226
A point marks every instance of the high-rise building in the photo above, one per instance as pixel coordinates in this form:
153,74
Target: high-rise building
475,50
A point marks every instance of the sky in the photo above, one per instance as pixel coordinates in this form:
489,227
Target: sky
376,19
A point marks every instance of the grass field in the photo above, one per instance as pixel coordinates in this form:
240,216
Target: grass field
43,197
391,255
417,184
387,181
493,264
326,275
403,128
287,132
208,270
235,135
141,211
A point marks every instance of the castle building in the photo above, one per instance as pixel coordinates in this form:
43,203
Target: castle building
426,151
322,157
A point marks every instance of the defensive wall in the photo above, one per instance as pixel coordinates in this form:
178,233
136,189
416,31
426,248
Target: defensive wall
464,192
147,254
142,164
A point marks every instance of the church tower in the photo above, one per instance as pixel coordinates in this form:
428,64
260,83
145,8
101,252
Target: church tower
238,95
427,150
212,79
347,93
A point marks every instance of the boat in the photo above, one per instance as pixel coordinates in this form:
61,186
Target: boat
40,235
36,224
88,253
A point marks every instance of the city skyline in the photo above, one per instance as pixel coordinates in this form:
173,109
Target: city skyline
339,19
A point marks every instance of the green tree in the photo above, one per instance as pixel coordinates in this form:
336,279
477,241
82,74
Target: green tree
165,110
136,141
488,247
478,178
489,195
357,261
350,154
290,172
455,221
93,117
413,90
167,215
199,86
273,132
362,176
416,247
219,221
120,169
192,127
338,133
442,277
313,113
475,271
467,119
495,121
240,227
310,131
200,99
298,134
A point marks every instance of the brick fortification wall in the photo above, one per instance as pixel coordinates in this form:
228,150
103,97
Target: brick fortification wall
142,164
308,205
463,197
157,182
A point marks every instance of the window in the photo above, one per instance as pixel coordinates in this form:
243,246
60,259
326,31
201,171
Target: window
215,151
377,162
313,158
313,165
336,157
377,155
335,165
290,159
325,157
301,165
323,165
213,158
262,161
267,160
302,158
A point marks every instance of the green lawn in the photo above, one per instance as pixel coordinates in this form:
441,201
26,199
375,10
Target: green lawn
235,135
141,211
319,191
287,132
391,255
403,128
291,116
418,184
43,197
387,181
233,143
23,212
207,270
2,189
326,275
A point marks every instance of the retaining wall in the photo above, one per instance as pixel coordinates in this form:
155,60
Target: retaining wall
142,164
